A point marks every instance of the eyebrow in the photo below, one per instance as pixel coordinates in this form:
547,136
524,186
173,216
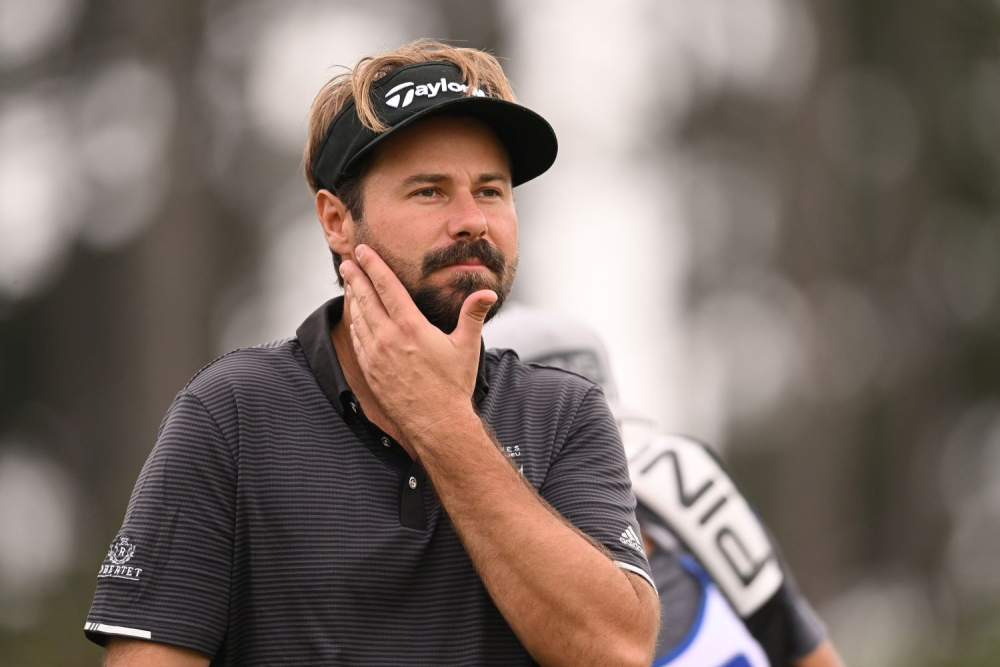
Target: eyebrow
503,178
416,179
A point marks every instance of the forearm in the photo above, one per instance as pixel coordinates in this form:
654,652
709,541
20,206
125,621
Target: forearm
126,652
564,598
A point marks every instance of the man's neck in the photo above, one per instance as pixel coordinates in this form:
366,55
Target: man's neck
356,380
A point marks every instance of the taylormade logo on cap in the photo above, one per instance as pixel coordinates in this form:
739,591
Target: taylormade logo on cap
396,98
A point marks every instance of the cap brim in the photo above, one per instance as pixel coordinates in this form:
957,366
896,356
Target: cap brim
528,138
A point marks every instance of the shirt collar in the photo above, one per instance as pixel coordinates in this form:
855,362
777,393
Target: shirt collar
317,345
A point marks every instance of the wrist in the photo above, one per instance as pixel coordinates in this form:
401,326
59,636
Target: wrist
449,424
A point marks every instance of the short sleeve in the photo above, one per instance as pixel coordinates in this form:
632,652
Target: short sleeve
588,483
166,576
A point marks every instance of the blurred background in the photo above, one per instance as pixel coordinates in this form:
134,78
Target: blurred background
780,214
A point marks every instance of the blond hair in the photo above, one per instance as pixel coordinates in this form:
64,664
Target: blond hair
479,69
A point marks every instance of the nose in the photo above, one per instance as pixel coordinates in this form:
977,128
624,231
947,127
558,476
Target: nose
467,221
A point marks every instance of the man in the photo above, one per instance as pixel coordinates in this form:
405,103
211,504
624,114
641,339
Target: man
378,490
727,596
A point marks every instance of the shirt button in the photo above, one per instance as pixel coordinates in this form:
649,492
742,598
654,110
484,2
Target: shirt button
385,442
413,482
354,406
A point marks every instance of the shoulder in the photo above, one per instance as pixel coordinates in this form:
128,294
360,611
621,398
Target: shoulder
505,368
261,366
534,394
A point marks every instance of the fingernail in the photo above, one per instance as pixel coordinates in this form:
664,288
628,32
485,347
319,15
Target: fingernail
359,251
347,291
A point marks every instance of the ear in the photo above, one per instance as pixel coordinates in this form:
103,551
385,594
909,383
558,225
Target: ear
338,225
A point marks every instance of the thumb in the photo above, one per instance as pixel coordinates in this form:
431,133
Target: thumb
470,321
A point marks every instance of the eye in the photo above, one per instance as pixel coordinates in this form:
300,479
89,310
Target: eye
491,192
429,192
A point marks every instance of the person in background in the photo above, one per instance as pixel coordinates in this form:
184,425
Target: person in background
728,599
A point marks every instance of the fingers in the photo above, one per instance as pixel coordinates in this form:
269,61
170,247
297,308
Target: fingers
394,297
359,350
362,337
360,294
359,323
475,308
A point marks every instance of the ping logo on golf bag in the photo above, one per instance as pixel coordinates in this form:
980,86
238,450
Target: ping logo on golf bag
401,95
683,483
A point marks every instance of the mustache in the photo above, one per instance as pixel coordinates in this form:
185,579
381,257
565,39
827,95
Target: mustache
482,250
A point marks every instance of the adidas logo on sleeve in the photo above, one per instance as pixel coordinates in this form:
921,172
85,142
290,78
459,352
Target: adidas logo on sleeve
630,539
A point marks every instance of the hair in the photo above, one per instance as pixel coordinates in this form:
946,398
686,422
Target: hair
350,192
479,69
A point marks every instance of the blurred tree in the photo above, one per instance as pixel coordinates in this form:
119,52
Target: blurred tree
121,331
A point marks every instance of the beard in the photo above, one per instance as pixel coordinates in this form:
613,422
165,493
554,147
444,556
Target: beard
442,304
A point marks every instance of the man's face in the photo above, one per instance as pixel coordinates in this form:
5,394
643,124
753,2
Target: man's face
439,209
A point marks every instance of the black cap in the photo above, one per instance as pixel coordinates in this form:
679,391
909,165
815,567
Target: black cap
415,92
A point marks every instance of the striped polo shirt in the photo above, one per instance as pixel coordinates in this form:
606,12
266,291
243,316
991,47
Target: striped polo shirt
273,523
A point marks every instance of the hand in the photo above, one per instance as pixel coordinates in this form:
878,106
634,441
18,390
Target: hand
419,375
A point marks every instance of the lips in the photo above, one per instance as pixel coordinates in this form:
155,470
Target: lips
472,261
